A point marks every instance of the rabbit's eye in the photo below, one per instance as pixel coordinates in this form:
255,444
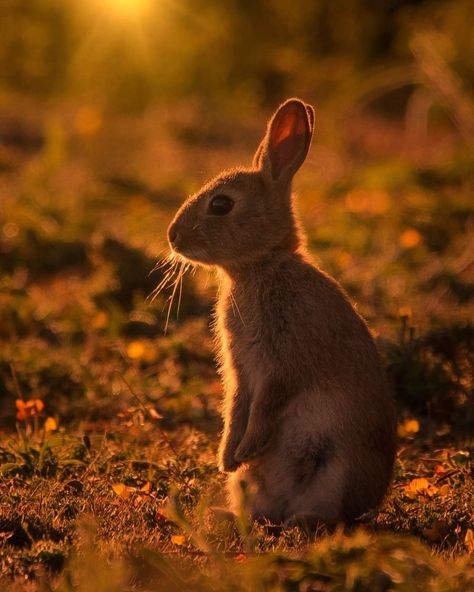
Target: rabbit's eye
220,205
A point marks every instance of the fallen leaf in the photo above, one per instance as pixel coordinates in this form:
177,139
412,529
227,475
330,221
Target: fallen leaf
122,490
410,238
469,540
178,539
154,413
50,425
408,427
420,486
135,350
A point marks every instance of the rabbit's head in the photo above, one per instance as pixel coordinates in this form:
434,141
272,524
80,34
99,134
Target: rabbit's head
246,213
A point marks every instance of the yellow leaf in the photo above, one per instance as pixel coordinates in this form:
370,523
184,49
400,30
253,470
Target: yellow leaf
178,539
410,238
416,486
420,487
154,413
50,424
135,350
122,490
408,427
469,540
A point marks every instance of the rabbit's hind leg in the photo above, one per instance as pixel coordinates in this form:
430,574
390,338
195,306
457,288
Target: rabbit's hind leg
249,492
321,493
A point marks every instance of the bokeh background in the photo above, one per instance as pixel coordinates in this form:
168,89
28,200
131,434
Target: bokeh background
111,113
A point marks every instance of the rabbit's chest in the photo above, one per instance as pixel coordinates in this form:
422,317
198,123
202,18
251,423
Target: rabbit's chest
245,338
246,348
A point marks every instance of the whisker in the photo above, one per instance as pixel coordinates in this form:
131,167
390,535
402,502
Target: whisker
232,299
164,259
171,298
160,264
172,278
180,279
232,304
167,279
173,262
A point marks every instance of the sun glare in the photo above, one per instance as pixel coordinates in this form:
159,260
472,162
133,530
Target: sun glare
126,8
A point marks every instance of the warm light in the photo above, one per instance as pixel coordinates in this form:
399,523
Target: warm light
126,8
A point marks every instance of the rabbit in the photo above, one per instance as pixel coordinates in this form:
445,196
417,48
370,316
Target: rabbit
309,423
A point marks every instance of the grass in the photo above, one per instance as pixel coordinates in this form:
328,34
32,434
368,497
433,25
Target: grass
106,482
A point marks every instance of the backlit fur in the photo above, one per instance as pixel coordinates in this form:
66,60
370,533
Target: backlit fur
309,425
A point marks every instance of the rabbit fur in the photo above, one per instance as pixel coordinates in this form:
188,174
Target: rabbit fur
309,424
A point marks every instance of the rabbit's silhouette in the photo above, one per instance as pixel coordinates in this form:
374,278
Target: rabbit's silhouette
309,424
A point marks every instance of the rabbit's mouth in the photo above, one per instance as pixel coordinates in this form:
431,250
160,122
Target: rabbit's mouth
195,255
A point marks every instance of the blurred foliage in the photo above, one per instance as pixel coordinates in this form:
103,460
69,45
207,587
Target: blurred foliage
434,374
102,50
113,111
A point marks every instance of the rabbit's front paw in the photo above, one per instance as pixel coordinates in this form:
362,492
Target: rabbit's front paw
252,445
228,464
227,460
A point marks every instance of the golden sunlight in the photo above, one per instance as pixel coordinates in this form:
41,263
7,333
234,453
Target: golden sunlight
126,8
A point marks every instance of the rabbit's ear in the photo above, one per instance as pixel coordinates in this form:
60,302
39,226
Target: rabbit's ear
257,158
287,141
310,112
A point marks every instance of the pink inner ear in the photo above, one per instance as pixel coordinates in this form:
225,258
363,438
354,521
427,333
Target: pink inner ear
284,153
287,139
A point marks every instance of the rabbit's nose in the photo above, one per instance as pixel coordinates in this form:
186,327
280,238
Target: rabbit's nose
173,236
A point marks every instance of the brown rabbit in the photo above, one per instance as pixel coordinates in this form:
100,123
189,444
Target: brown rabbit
309,425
